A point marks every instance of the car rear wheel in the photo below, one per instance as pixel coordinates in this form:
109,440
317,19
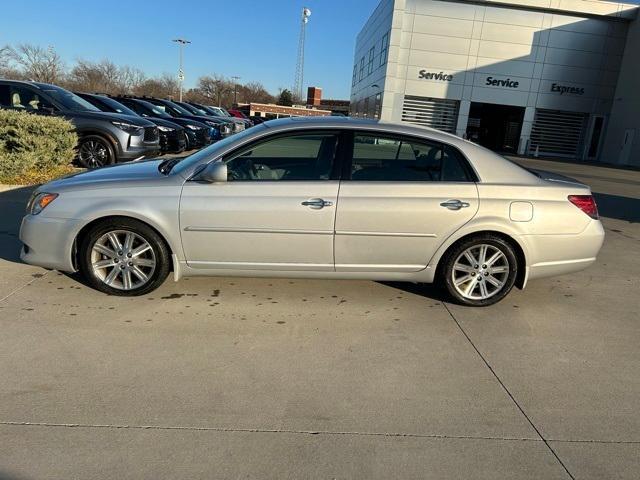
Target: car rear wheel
123,257
95,152
480,271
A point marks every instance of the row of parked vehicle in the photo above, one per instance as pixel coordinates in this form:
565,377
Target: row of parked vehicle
122,128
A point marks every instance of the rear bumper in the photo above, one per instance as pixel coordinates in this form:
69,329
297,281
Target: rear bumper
551,255
48,242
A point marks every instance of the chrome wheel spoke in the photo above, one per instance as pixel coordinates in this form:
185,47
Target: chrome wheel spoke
498,254
140,250
113,274
103,264
472,284
104,250
482,255
128,241
464,268
115,241
483,289
144,262
139,273
463,280
494,281
493,270
472,260
126,279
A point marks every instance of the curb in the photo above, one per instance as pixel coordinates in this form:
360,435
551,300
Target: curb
6,188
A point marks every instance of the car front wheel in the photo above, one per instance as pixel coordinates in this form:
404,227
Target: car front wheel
123,257
95,152
480,271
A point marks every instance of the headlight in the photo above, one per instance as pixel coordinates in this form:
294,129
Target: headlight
129,128
165,129
193,127
39,202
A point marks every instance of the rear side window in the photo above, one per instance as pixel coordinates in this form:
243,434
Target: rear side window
394,159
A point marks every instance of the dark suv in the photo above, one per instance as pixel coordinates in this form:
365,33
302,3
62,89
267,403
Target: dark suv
104,138
172,135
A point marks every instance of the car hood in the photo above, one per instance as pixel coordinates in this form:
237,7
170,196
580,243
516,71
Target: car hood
124,172
108,116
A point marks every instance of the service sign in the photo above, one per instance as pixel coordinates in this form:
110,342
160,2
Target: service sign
439,76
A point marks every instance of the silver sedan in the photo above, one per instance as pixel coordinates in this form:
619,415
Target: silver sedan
331,198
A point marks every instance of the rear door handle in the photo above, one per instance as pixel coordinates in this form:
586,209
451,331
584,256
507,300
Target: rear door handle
317,203
454,204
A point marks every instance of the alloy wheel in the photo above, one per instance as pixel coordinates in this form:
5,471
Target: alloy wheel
93,154
480,272
123,260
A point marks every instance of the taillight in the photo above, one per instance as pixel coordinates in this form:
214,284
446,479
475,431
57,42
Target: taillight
586,203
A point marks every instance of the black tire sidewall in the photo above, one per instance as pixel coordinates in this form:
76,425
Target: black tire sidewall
110,151
457,249
157,244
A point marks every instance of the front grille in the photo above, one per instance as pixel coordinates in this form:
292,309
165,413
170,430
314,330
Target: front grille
151,134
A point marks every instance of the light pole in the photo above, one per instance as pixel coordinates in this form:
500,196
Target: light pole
235,90
181,42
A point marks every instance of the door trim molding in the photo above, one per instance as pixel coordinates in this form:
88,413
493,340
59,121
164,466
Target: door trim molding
385,234
282,231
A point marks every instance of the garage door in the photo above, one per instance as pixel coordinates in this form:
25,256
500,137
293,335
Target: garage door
558,133
431,112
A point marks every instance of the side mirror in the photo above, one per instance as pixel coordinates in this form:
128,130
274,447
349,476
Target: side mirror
215,172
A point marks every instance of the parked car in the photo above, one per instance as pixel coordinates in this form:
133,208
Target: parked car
322,198
224,113
219,128
197,133
232,123
172,135
104,138
237,123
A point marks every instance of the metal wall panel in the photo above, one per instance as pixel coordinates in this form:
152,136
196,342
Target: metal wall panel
558,133
431,112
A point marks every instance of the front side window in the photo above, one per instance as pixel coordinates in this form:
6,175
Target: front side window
22,98
384,49
5,96
372,54
290,158
380,158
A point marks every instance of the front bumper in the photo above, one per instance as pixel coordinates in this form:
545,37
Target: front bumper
48,242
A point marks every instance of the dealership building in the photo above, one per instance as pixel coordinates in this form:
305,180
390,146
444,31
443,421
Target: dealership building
531,77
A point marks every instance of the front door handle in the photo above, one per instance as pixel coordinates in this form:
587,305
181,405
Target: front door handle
317,203
454,204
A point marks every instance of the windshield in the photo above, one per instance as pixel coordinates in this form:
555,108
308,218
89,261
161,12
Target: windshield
210,152
118,107
177,108
158,111
69,100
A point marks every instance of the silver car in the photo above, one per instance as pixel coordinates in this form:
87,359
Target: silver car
333,198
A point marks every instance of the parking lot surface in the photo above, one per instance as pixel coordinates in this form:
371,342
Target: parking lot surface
274,379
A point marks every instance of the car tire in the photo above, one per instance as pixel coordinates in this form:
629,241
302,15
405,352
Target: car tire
95,151
479,271
123,257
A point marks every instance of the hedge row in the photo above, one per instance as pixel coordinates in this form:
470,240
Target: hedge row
34,148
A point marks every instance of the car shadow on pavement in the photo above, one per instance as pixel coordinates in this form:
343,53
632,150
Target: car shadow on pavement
12,209
615,206
426,290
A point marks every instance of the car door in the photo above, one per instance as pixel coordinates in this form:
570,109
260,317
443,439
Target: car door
400,199
275,212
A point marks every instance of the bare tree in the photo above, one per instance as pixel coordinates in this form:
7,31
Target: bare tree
217,89
37,63
164,86
255,92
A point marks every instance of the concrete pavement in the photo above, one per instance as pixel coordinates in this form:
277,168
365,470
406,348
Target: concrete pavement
260,378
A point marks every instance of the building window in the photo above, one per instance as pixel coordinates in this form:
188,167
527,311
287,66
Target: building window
384,48
372,54
361,68
355,75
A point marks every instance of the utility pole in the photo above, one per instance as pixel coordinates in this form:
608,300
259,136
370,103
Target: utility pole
235,90
181,43
299,78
